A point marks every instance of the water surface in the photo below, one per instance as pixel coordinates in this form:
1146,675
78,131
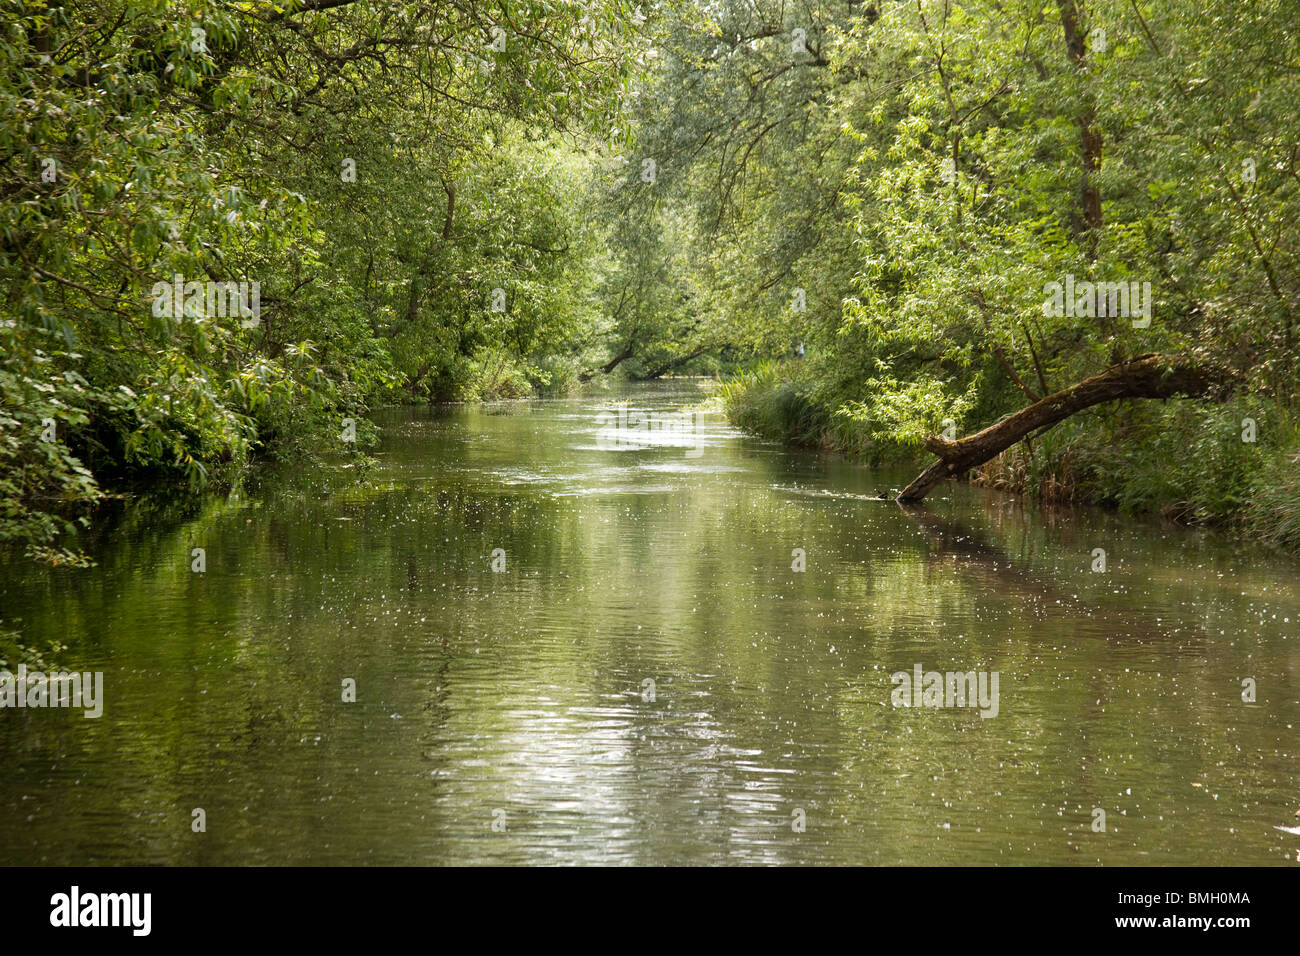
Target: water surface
649,544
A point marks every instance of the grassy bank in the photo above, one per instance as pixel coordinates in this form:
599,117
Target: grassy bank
780,401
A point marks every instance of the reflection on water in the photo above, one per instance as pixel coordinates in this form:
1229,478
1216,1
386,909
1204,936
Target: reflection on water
638,553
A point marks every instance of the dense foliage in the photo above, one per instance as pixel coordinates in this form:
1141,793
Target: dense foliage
897,184
466,199
401,180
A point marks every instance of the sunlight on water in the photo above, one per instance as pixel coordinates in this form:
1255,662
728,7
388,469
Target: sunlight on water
649,679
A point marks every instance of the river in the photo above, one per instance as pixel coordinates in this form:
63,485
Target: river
647,676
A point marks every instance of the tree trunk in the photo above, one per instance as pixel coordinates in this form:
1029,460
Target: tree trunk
612,364
1089,135
1147,376
671,364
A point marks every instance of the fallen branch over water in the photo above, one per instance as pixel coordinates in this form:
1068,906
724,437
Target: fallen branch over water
1147,376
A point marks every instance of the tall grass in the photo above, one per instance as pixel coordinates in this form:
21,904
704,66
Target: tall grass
1184,460
779,400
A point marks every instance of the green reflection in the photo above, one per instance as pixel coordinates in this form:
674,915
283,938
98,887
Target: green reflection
663,555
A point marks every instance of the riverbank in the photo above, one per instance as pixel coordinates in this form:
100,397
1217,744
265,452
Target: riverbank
1232,465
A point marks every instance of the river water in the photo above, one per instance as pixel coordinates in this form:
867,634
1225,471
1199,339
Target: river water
646,678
